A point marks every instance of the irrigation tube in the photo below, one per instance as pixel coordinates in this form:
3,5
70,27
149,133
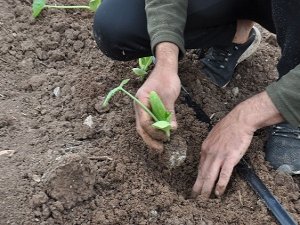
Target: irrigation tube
245,170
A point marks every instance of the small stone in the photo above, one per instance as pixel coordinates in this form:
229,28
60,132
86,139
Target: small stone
89,121
36,178
235,91
56,91
7,153
153,213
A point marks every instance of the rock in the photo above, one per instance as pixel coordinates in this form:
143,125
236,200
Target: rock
36,178
56,92
7,152
89,121
235,91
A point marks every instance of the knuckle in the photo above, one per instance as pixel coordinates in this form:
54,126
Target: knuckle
207,177
224,175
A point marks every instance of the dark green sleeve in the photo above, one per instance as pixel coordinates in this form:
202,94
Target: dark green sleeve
166,22
285,94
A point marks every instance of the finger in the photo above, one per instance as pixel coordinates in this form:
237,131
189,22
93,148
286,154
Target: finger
174,124
196,190
152,131
153,144
224,177
210,172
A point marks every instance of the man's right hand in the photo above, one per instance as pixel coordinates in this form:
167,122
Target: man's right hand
165,81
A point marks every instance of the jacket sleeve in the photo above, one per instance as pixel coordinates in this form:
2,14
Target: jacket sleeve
285,94
166,21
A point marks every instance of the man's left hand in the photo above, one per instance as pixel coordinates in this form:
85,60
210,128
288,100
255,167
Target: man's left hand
229,140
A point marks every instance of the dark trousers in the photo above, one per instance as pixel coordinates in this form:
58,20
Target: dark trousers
120,26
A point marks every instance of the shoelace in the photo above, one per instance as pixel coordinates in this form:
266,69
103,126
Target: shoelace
286,132
220,56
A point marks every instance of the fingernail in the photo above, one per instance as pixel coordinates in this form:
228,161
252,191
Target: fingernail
217,193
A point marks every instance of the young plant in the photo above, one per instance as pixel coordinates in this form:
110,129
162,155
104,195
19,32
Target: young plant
144,63
158,112
39,5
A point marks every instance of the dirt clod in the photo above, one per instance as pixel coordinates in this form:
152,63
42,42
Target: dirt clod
70,180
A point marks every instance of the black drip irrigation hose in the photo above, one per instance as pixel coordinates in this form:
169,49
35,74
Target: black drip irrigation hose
281,215
245,170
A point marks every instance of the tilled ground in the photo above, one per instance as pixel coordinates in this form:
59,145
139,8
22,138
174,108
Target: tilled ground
61,171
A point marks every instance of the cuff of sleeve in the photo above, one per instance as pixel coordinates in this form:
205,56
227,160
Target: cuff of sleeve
173,38
276,97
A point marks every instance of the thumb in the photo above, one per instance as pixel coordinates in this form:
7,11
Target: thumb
171,109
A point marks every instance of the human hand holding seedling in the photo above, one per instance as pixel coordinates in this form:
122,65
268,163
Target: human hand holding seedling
39,5
165,81
159,118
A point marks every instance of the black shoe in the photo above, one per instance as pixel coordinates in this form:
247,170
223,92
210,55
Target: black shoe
283,148
219,63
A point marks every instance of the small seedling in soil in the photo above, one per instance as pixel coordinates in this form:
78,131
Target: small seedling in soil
158,112
144,64
39,5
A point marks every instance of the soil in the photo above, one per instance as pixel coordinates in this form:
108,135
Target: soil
57,167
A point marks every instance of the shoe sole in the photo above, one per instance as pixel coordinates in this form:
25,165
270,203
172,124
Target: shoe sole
250,50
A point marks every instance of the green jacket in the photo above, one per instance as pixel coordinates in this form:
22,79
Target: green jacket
166,23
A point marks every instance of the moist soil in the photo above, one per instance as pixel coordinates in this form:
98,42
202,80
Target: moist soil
58,167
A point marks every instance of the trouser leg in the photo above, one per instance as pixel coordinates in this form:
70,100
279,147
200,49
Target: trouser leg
286,14
120,27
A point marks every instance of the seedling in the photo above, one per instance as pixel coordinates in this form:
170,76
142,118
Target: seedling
39,5
158,112
144,63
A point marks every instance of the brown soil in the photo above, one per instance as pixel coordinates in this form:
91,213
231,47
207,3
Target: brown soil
61,171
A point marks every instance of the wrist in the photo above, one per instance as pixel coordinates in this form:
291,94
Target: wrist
258,112
167,56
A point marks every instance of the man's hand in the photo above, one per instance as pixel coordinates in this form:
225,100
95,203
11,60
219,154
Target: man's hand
229,140
165,81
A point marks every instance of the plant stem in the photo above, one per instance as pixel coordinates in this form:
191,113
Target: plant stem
67,6
140,104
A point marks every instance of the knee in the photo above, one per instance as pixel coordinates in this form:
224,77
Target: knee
109,35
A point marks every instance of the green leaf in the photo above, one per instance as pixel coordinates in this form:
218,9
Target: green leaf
163,125
139,72
158,108
145,62
113,92
124,82
110,95
94,4
148,61
37,7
